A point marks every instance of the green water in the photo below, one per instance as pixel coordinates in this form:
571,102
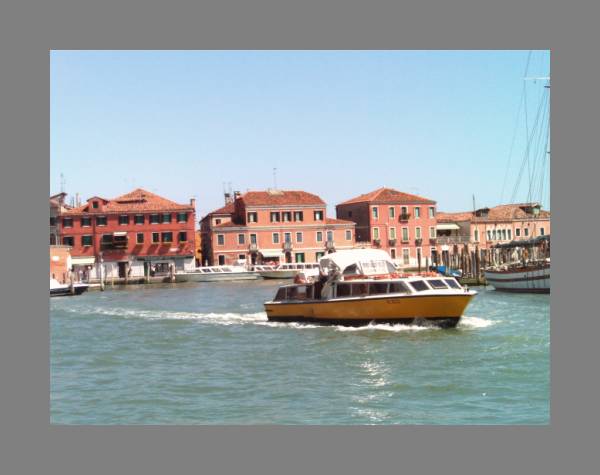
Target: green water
204,353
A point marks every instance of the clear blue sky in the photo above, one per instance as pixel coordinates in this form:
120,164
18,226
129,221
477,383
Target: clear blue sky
180,123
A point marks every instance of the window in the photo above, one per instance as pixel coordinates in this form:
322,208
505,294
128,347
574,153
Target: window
318,215
166,217
274,217
52,221
417,212
252,238
431,211
252,217
419,285
319,236
52,239
405,234
349,214
287,237
221,260
95,204
182,217
155,237
86,240
398,288
375,211
242,257
100,220
167,237
526,232
348,235
138,219
405,256
68,240
378,288
68,222
504,234
343,290
298,216
299,238
489,235
417,233
275,238
437,284
86,222
360,289
318,255
518,232
452,283
330,236
392,212
241,239
154,219
404,212
432,232
220,239
139,238
182,236
107,239
476,235
541,231
392,233
509,234
375,233
123,219
494,234
300,257
217,221
393,253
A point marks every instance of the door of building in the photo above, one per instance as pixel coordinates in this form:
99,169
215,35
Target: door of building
122,269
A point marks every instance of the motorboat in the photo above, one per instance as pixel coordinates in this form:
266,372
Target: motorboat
57,289
362,286
284,271
216,273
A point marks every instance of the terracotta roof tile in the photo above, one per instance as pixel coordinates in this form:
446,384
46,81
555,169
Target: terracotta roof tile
338,221
138,200
388,195
229,208
496,213
280,198
451,217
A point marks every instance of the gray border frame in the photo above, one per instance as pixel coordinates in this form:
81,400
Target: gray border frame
29,444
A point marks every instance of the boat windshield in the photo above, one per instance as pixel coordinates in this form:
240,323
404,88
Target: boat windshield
452,283
295,292
437,284
419,285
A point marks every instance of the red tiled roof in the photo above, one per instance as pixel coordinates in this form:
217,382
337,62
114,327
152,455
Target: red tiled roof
137,200
451,217
229,208
388,195
338,221
496,213
280,198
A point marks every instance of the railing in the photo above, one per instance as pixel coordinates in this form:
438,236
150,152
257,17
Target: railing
453,239
404,217
287,246
253,247
376,242
329,244
392,242
418,242
433,241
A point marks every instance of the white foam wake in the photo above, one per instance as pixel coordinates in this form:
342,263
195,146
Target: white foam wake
475,322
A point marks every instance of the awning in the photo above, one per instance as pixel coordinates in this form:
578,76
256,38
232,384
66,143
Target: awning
83,261
270,253
447,226
120,233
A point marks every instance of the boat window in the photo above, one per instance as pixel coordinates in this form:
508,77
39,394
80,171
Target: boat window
437,284
351,270
360,289
280,294
206,271
378,288
452,283
217,270
298,292
226,269
343,290
398,288
419,285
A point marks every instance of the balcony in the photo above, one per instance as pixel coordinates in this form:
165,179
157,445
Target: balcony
253,247
404,217
433,241
287,246
329,245
418,241
377,242
392,242
460,239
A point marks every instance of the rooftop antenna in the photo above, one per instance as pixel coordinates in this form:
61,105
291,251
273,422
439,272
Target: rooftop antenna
474,207
62,183
275,178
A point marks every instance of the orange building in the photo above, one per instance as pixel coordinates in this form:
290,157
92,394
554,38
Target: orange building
60,263
272,226
400,223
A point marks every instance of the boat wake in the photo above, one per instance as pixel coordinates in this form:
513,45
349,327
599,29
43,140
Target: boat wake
260,318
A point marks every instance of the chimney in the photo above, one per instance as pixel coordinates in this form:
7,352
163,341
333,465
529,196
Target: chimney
228,198
193,203
236,195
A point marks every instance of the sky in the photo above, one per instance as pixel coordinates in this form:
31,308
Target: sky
447,125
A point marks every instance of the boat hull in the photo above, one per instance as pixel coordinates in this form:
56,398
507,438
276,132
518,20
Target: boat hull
66,291
279,274
519,280
440,310
201,277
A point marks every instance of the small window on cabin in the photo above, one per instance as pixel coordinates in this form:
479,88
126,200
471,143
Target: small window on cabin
297,293
343,290
398,288
378,288
419,285
280,294
452,283
437,284
360,289
351,270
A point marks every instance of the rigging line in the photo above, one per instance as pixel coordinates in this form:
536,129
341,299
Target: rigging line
544,158
532,178
526,111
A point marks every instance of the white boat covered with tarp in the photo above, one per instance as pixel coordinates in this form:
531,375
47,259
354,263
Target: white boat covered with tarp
284,271
216,273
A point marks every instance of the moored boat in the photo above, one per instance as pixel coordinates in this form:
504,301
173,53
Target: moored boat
361,286
216,273
57,289
284,271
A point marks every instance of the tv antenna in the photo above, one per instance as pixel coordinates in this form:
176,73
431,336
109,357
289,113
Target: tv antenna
275,178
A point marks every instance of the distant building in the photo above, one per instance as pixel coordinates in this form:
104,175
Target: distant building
60,263
400,223
272,226
57,206
129,236
488,226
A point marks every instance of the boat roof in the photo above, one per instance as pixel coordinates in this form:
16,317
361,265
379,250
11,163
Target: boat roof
368,261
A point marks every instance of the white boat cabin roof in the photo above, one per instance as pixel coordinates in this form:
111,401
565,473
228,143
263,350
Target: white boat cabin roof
358,261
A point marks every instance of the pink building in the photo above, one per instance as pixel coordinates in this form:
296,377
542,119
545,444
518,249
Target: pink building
272,226
488,226
400,223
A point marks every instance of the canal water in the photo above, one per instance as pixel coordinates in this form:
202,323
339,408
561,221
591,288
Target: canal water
204,353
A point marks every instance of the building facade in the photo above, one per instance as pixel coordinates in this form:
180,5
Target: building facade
60,263
133,235
400,223
57,207
486,227
273,226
